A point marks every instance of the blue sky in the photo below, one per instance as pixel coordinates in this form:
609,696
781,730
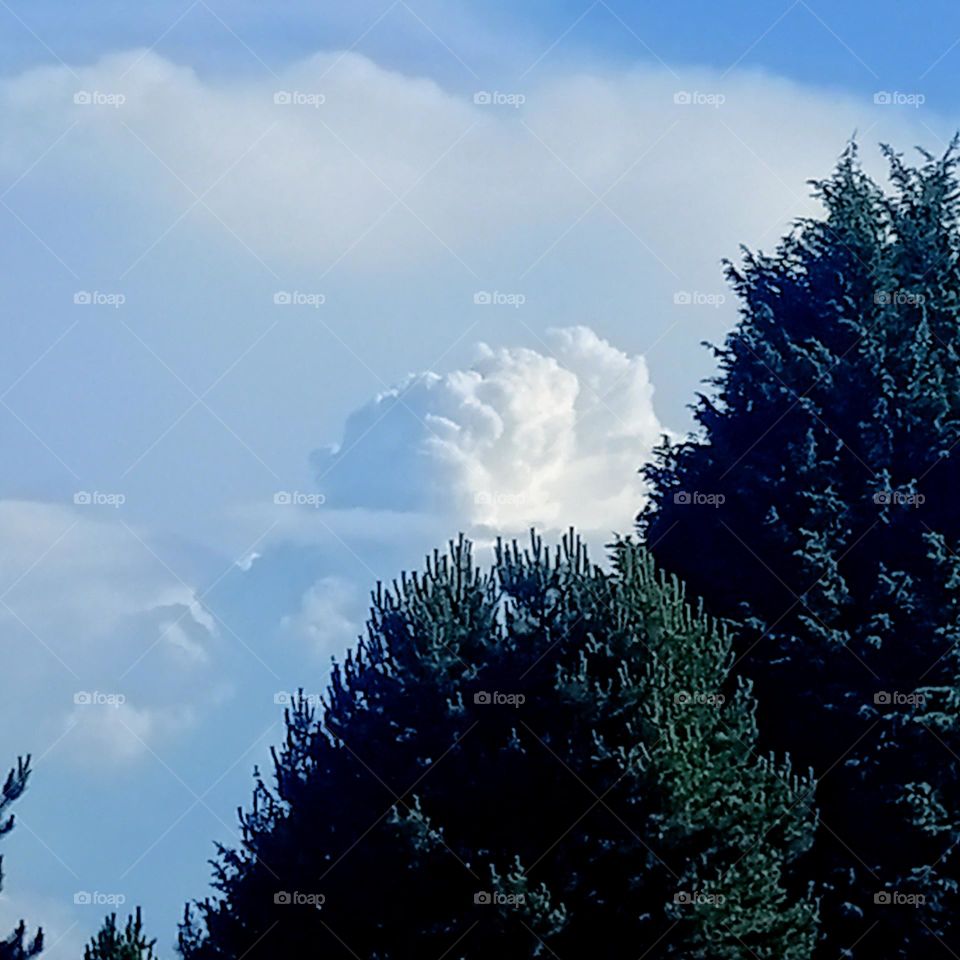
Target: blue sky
287,304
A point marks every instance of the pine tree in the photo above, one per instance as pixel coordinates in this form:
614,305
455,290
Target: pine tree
111,943
17,946
538,759
817,508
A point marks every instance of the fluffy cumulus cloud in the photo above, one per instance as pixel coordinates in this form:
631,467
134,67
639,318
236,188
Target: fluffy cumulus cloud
548,438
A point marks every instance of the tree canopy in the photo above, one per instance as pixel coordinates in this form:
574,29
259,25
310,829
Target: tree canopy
816,507
540,757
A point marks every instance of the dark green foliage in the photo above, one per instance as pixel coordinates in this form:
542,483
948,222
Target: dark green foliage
543,759
111,943
17,946
819,508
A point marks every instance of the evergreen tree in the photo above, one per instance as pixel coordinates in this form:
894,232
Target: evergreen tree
112,943
817,508
17,946
540,759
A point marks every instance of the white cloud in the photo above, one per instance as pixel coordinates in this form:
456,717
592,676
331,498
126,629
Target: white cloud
172,632
123,732
100,572
330,615
302,183
86,604
521,438
247,560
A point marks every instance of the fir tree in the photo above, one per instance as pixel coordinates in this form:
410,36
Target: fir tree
112,943
817,508
17,946
538,759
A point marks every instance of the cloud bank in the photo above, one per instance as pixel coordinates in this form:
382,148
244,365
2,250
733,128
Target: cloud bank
85,603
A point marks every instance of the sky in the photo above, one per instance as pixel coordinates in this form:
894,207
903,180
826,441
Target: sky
294,295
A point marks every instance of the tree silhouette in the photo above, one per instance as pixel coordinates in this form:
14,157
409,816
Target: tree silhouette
817,508
539,758
18,946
